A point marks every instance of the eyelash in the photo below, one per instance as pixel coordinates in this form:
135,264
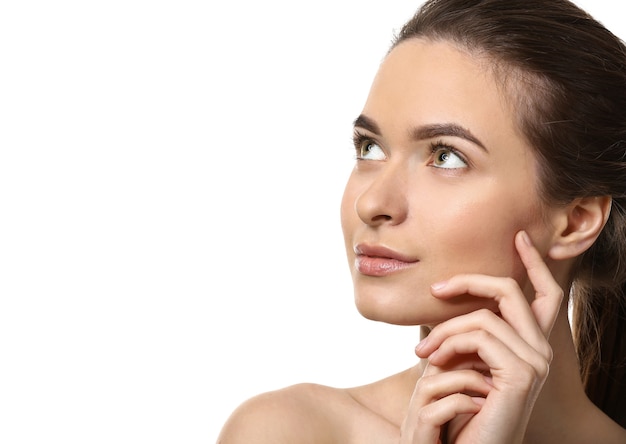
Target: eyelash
358,139
440,145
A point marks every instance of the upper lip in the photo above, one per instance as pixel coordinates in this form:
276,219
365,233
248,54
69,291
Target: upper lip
382,252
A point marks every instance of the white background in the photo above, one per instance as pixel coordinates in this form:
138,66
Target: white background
170,179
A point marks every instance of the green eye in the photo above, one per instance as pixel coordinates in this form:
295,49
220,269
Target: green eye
369,150
446,157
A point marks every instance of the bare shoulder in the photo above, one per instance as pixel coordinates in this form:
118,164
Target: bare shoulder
303,413
306,413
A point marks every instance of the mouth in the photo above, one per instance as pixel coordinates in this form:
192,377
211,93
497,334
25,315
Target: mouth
378,261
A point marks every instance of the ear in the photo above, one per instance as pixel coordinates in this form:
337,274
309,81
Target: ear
578,225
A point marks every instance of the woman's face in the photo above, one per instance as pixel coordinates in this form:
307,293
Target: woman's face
442,183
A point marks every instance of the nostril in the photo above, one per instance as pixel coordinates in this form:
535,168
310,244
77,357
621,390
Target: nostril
383,200
382,218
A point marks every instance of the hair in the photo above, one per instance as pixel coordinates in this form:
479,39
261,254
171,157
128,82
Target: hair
566,76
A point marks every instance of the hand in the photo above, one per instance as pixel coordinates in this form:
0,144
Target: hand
486,370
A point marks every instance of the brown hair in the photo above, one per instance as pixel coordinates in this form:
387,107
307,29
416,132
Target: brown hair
568,77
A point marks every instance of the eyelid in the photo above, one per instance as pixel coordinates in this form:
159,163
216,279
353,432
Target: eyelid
440,144
359,138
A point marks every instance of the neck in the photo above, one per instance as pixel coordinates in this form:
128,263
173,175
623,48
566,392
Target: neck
562,398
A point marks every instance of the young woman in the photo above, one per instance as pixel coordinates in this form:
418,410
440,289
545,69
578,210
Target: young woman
490,182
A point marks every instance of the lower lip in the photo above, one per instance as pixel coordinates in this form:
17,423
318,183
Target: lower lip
380,266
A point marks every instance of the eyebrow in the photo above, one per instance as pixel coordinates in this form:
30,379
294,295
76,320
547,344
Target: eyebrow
424,131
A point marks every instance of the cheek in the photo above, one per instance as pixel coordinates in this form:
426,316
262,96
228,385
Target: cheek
478,237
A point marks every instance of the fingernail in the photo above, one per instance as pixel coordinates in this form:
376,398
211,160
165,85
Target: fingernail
421,345
438,285
433,356
526,239
489,380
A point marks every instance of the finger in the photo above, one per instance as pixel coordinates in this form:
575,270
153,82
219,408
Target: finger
463,362
493,325
436,383
505,365
423,422
512,303
548,293
426,426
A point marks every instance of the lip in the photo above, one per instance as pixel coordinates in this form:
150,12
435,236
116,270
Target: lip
379,261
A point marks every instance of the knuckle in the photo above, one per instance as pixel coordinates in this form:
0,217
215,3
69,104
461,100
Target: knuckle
510,284
458,401
422,384
424,416
530,374
484,315
542,369
425,386
483,335
546,352
554,290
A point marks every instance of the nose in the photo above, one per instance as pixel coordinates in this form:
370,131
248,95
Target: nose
384,200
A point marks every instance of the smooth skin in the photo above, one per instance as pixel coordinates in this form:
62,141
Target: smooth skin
512,347
445,179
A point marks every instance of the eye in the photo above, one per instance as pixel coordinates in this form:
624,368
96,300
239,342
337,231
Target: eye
367,149
447,157
370,151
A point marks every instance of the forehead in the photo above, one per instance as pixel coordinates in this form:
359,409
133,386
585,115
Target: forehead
424,81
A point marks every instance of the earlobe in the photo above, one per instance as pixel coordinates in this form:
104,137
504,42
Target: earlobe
581,222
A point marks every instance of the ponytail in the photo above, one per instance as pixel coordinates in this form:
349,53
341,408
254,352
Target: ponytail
571,106
600,335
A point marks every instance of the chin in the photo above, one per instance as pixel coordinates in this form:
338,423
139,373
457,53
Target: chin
387,316
428,311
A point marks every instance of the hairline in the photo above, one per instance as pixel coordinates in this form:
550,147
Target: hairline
521,91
